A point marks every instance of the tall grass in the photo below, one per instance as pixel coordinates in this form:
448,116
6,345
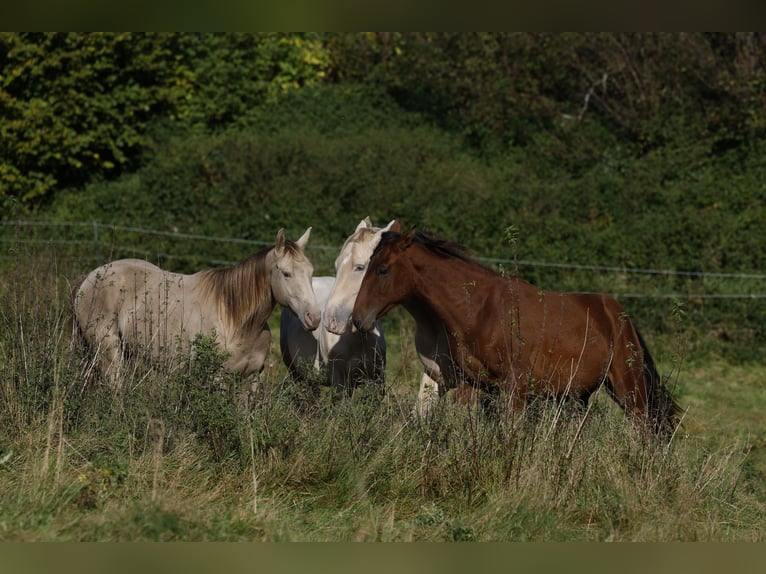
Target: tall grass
189,452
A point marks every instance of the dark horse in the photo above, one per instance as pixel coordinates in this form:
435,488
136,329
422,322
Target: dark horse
505,333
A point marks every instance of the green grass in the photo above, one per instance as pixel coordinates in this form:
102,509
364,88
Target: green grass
171,458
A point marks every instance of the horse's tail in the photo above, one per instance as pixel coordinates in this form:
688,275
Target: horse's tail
663,411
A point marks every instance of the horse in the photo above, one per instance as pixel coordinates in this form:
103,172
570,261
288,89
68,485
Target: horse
346,358
503,333
129,306
350,267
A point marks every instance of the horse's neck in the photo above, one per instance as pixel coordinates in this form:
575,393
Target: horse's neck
454,299
428,321
264,306
242,292
431,338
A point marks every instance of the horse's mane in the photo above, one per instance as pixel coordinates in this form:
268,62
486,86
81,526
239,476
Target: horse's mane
437,246
357,235
442,247
243,290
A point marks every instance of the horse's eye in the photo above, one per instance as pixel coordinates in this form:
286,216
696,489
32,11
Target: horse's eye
359,267
286,274
382,271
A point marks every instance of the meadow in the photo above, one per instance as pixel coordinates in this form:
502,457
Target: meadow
172,457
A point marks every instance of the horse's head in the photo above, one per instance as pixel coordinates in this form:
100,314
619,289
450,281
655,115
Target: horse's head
350,267
389,280
291,279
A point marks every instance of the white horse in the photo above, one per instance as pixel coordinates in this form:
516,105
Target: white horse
128,306
344,360
430,340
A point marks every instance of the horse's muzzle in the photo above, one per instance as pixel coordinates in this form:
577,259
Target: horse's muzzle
333,325
363,325
311,320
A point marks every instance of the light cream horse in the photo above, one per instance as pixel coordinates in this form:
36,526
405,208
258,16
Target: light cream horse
130,306
431,343
345,360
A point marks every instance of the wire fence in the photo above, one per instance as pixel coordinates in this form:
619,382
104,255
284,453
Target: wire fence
93,239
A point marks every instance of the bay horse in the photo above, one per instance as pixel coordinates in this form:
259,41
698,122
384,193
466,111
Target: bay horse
130,306
505,333
346,357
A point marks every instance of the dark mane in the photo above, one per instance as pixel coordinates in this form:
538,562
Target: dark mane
437,246
442,247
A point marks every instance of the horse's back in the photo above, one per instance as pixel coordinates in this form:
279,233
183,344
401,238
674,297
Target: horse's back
133,302
322,288
123,267
115,277
98,291
134,282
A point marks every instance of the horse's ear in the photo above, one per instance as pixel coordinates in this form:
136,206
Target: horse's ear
280,245
366,223
407,238
304,238
393,225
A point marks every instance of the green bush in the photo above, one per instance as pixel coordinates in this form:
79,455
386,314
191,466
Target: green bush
82,107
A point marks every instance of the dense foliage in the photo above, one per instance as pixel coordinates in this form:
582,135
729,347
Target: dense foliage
618,150
82,106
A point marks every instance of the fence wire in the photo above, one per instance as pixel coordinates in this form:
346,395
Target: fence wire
95,240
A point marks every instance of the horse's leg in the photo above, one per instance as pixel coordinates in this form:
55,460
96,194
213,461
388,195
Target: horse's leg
639,389
362,375
375,365
428,395
109,357
103,338
339,376
624,361
251,364
579,403
625,382
514,393
365,365
467,394
261,350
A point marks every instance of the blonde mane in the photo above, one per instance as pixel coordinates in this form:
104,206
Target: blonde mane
242,293
358,236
